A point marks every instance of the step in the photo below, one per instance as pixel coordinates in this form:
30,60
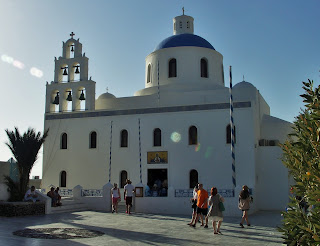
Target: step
69,205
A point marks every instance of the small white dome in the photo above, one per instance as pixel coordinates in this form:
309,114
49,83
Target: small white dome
244,84
106,95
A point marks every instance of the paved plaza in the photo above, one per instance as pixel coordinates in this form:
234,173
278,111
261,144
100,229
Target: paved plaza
139,229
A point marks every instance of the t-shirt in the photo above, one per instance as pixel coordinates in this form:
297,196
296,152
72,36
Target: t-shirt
29,192
195,195
129,188
115,193
202,196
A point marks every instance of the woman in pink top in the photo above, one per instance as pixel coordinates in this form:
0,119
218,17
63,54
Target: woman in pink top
115,197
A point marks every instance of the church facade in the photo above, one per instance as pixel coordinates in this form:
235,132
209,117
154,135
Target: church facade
172,134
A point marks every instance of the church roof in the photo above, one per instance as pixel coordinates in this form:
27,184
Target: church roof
185,39
106,96
244,84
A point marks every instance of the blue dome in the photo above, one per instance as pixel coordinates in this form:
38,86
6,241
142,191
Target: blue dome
185,39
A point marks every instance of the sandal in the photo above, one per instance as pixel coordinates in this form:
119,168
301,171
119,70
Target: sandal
241,225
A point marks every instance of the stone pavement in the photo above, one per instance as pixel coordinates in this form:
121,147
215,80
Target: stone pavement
139,229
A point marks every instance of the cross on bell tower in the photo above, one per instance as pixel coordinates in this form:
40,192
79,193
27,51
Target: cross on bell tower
72,34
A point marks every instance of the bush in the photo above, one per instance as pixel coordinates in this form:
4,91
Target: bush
301,222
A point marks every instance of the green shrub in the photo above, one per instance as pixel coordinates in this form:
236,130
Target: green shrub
301,157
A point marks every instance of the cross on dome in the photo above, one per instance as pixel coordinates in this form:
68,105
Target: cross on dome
72,34
182,10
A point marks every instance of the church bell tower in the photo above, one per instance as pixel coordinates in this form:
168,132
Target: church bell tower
71,89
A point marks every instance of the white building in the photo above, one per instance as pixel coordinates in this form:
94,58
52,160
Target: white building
176,129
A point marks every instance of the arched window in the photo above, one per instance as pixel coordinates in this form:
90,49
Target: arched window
188,25
64,141
123,178
157,137
193,178
204,68
93,140
193,135
180,24
149,74
228,134
124,138
63,179
172,68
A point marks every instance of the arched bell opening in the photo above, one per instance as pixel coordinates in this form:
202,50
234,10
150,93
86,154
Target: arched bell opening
63,76
75,74
70,50
54,101
66,100
80,99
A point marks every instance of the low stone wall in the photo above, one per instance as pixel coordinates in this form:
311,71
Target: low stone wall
10,209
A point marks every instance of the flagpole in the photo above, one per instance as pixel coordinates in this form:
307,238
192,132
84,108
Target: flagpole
232,133
110,153
158,87
140,153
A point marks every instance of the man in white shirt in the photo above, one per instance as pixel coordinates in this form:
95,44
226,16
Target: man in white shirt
31,195
128,193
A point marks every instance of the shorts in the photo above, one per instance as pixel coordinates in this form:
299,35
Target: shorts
129,200
115,199
195,208
203,211
194,205
217,218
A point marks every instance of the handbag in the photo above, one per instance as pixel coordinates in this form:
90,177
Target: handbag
221,206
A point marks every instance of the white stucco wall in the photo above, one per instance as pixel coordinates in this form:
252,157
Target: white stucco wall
188,66
211,156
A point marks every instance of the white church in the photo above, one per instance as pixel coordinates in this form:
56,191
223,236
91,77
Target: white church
172,134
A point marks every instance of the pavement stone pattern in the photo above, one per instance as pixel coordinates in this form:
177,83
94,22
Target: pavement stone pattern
140,229
57,233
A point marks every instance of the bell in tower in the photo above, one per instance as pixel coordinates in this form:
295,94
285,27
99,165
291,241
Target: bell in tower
69,98
65,72
77,69
81,98
56,99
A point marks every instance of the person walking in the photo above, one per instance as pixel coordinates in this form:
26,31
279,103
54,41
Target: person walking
244,204
215,212
128,193
194,205
202,205
115,192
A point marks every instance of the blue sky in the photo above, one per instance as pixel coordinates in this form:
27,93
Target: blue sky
274,44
